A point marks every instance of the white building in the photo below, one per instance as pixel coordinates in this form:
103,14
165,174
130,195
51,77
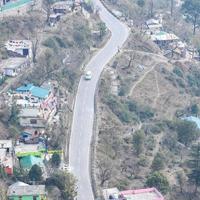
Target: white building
6,155
20,47
13,66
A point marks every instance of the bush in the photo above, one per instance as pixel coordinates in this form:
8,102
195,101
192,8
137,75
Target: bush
158,162
82,36
178,71
119,109
50,43
158,181
61,42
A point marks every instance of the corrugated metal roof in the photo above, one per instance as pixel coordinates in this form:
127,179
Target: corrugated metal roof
35,91
28,161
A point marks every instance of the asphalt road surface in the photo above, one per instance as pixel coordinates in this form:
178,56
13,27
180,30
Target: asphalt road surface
82,126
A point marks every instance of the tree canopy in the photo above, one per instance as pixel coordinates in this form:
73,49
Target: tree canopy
35,174
65,182
187,131
191,10
158,181
55,160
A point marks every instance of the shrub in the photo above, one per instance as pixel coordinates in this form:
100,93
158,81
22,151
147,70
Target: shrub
50,43
178,71
158,162
158,181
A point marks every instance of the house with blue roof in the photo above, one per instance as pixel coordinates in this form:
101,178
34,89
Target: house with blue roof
37,104
33,91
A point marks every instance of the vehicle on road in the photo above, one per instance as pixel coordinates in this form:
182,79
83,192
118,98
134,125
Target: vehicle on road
88,75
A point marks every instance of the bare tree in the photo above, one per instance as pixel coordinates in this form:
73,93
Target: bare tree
105,171
151,7
131,59
34,49
46,5
172,7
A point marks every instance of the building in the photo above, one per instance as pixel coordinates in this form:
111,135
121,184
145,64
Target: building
141,194
38,99
153,25
54,18
13,66
163,38
31,117
19,48
62,7
33,93
23,191
6,156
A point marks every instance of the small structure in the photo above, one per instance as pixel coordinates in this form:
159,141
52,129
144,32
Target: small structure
22,191
153,24
19,47
13,66
62,7
30,117
29,138
54,18
163,38
142,194
6,156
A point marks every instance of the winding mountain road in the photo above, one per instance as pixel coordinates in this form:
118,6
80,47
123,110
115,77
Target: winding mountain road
83,116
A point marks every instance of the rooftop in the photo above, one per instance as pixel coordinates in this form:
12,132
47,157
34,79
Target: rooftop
5,144
12,63
153,22
28,148
35,90
18,44
141,194
21,189
147,194
29,112
28,161
163,36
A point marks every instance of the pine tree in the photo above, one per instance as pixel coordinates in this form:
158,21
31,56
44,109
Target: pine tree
194,165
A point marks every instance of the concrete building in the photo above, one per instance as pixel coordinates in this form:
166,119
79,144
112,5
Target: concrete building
62,7
13,66
6,156
141,194
19,47
23,191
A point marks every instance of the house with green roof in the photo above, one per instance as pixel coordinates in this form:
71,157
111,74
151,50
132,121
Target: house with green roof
27,162
23,191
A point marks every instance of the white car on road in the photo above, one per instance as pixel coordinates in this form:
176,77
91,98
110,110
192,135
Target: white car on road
88,75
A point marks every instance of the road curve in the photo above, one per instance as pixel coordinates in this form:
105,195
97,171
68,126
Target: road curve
83,117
